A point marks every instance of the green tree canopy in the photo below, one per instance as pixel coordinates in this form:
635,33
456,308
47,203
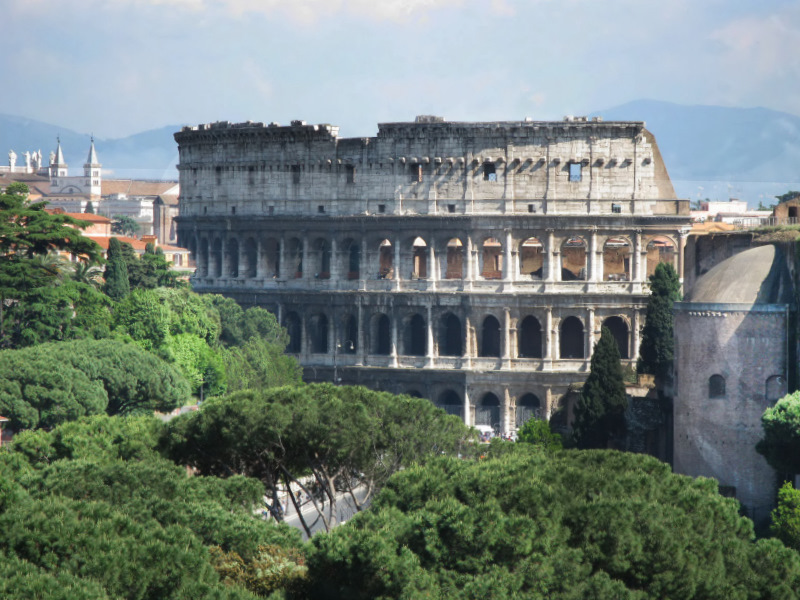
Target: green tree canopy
600,412
657,348
124,225
781,442
117,285
537,432
578,524
786,516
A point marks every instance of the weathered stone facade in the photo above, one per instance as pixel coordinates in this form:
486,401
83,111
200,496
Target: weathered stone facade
470,263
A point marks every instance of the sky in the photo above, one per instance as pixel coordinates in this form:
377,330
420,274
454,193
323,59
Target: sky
118,67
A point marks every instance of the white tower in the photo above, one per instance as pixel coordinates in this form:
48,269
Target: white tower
58,168
92,173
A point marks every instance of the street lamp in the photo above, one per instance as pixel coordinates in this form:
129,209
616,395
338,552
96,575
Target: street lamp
350,347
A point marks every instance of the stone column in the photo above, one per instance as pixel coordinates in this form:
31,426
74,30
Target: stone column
552,257
638,252
280,313
433,270
242,260
259,258
468,256
333,337
595,260
361,357
590,338
335,268
304,338
467,407
306,266
635,334
508,268
396,264
556,339
681,251
506,410
363,261
506,338
467,342
394,338
429,354
282,268
548,332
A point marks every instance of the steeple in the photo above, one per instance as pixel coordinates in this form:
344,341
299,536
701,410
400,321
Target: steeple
92,172
92,159
58,167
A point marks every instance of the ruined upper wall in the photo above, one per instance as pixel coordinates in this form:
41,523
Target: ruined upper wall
425,166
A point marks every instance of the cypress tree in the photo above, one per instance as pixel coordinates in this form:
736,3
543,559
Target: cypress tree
117,285
657,349
600,413
89,208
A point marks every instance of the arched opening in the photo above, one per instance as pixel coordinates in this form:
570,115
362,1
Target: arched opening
293,328
386,258
250,257
294,260
318,333
419,269
414,336
192,252
492,259
350,335
716,386
775,388
381,338
571,342
232,257
414,393
202,260
488,411
530,338
272,254
490,337
573,259
617,259
531,258
528,407
216,258
322,251
660,250
455,260
619,329
450,402
353,257
451,336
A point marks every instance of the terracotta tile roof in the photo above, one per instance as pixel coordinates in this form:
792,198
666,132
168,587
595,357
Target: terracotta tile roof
102,241
89,217
173,249
133,187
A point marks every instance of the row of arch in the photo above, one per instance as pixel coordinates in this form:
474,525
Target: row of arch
319,258
488,408
449,336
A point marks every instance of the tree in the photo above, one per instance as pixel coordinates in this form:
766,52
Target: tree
790,195
537,432
117,285
657,348
786,517
89,208
527,524
345,438
124,225
781,442
600,412
259,364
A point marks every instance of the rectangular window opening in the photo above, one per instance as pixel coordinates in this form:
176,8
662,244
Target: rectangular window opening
271,210
381,208
350,173
415,173
295,173
531,208
233,210
489,172
451,208
321,209
616,208
575,172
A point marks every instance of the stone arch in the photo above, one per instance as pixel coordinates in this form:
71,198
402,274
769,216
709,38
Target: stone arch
492,259
215,263
617,259
419,258
530,338
293,327
322,259
661,249
454,266
414,336
573,259
318,333
490,337
571,340
775,388
380,335
272,258
716,386
619,329
528,407
232,257
192,248
250,257
294,258
451,403
386,265
351,254
531,258
202,257
487,412
451,336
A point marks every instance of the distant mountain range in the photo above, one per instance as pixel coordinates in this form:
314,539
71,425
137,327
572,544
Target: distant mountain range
710,151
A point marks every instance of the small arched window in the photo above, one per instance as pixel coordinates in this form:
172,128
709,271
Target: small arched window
716,386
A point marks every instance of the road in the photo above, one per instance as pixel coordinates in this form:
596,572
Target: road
345,508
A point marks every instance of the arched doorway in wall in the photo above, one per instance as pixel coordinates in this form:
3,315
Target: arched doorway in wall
250,257
349,344
381,335
322,255
318,334
531,258
419,266
571,338
386,260
490,337
455,260
293,328
617,259
530,338
451,336
352,254
660,250
414,336
573,259
294,258
232,256
202,258
451,403
216,258
272,261
492,259
619,329
487,412
528,407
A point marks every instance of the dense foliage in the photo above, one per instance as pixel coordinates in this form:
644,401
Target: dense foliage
600,412
781,442
578,524
656,351
538,433
346,437
786,516
117,284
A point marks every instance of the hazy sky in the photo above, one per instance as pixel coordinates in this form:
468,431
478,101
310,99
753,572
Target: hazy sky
115,67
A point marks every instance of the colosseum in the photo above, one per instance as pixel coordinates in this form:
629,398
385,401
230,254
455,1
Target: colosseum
473,264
